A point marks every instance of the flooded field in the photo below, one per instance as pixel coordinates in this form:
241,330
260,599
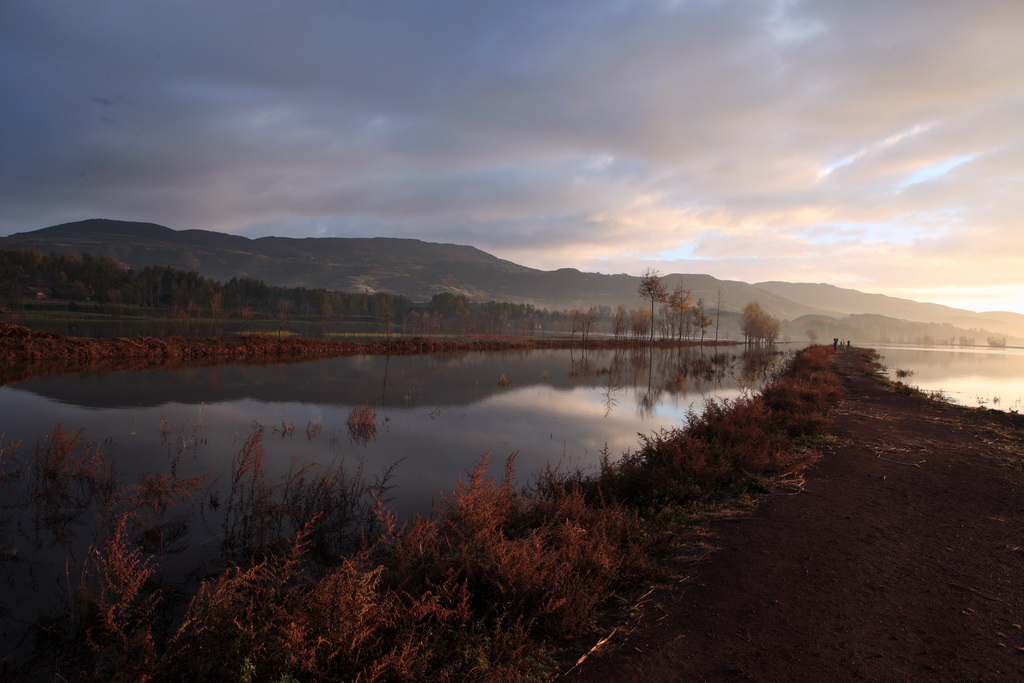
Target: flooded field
202,452
988,377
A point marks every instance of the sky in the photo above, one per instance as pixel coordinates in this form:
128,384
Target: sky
876,145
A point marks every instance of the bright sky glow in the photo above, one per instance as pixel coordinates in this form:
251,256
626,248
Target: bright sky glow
873,144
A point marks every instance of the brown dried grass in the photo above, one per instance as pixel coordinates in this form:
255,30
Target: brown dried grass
731,447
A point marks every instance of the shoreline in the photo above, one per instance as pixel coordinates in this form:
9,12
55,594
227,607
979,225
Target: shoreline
898,557
27,353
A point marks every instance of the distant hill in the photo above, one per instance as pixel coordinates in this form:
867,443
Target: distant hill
852,302
401,266
419,270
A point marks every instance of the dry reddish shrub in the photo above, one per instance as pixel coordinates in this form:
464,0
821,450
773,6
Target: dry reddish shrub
725,449
235,620
362,415
362,423
588,548
668,468
66,477
739,434
68,467
541,559
345,620
257,517
274,619
802,397
115,609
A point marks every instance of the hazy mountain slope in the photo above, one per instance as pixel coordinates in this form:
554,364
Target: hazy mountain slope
851,301
421,269
402,266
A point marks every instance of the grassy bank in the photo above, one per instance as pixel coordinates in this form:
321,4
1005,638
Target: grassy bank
28,353
322,585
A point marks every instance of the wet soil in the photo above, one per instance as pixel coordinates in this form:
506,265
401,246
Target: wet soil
899,558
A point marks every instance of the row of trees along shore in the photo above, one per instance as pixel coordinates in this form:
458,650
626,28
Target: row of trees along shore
680,316
31,280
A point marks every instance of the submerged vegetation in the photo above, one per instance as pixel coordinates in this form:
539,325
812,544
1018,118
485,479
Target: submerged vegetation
315,578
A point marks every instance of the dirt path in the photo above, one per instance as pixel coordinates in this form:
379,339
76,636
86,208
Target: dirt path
902,559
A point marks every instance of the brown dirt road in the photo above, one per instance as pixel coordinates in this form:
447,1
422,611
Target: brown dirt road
901,559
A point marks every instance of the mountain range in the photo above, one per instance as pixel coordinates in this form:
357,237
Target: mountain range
419,270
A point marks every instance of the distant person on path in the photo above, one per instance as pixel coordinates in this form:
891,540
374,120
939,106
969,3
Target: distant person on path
835,344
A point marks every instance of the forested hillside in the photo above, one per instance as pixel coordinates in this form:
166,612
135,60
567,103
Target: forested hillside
30,279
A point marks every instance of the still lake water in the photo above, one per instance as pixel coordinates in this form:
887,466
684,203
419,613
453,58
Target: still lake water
437,415
988,377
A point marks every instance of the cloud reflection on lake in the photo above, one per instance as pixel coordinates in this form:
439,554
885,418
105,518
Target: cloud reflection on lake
437,415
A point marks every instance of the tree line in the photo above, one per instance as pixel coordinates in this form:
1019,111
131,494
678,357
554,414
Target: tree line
28,276
680,317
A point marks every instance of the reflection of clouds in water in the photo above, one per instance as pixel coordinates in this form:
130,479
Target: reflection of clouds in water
544,426
591,403
584,401
566,428
457,415
1003,393
967,376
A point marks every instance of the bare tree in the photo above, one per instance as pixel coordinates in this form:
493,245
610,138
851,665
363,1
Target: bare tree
639,323
701,318
583,321
651,287
678,303
620,321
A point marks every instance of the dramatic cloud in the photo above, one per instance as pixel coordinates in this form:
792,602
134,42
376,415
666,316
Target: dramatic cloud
871,144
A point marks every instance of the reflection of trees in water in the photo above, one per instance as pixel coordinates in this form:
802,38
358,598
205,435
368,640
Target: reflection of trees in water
677,370
580,368
701,373
648,400
638,365
609,388
757,365
684,370
617,373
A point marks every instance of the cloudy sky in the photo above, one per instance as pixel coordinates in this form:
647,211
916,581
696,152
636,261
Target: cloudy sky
876,144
